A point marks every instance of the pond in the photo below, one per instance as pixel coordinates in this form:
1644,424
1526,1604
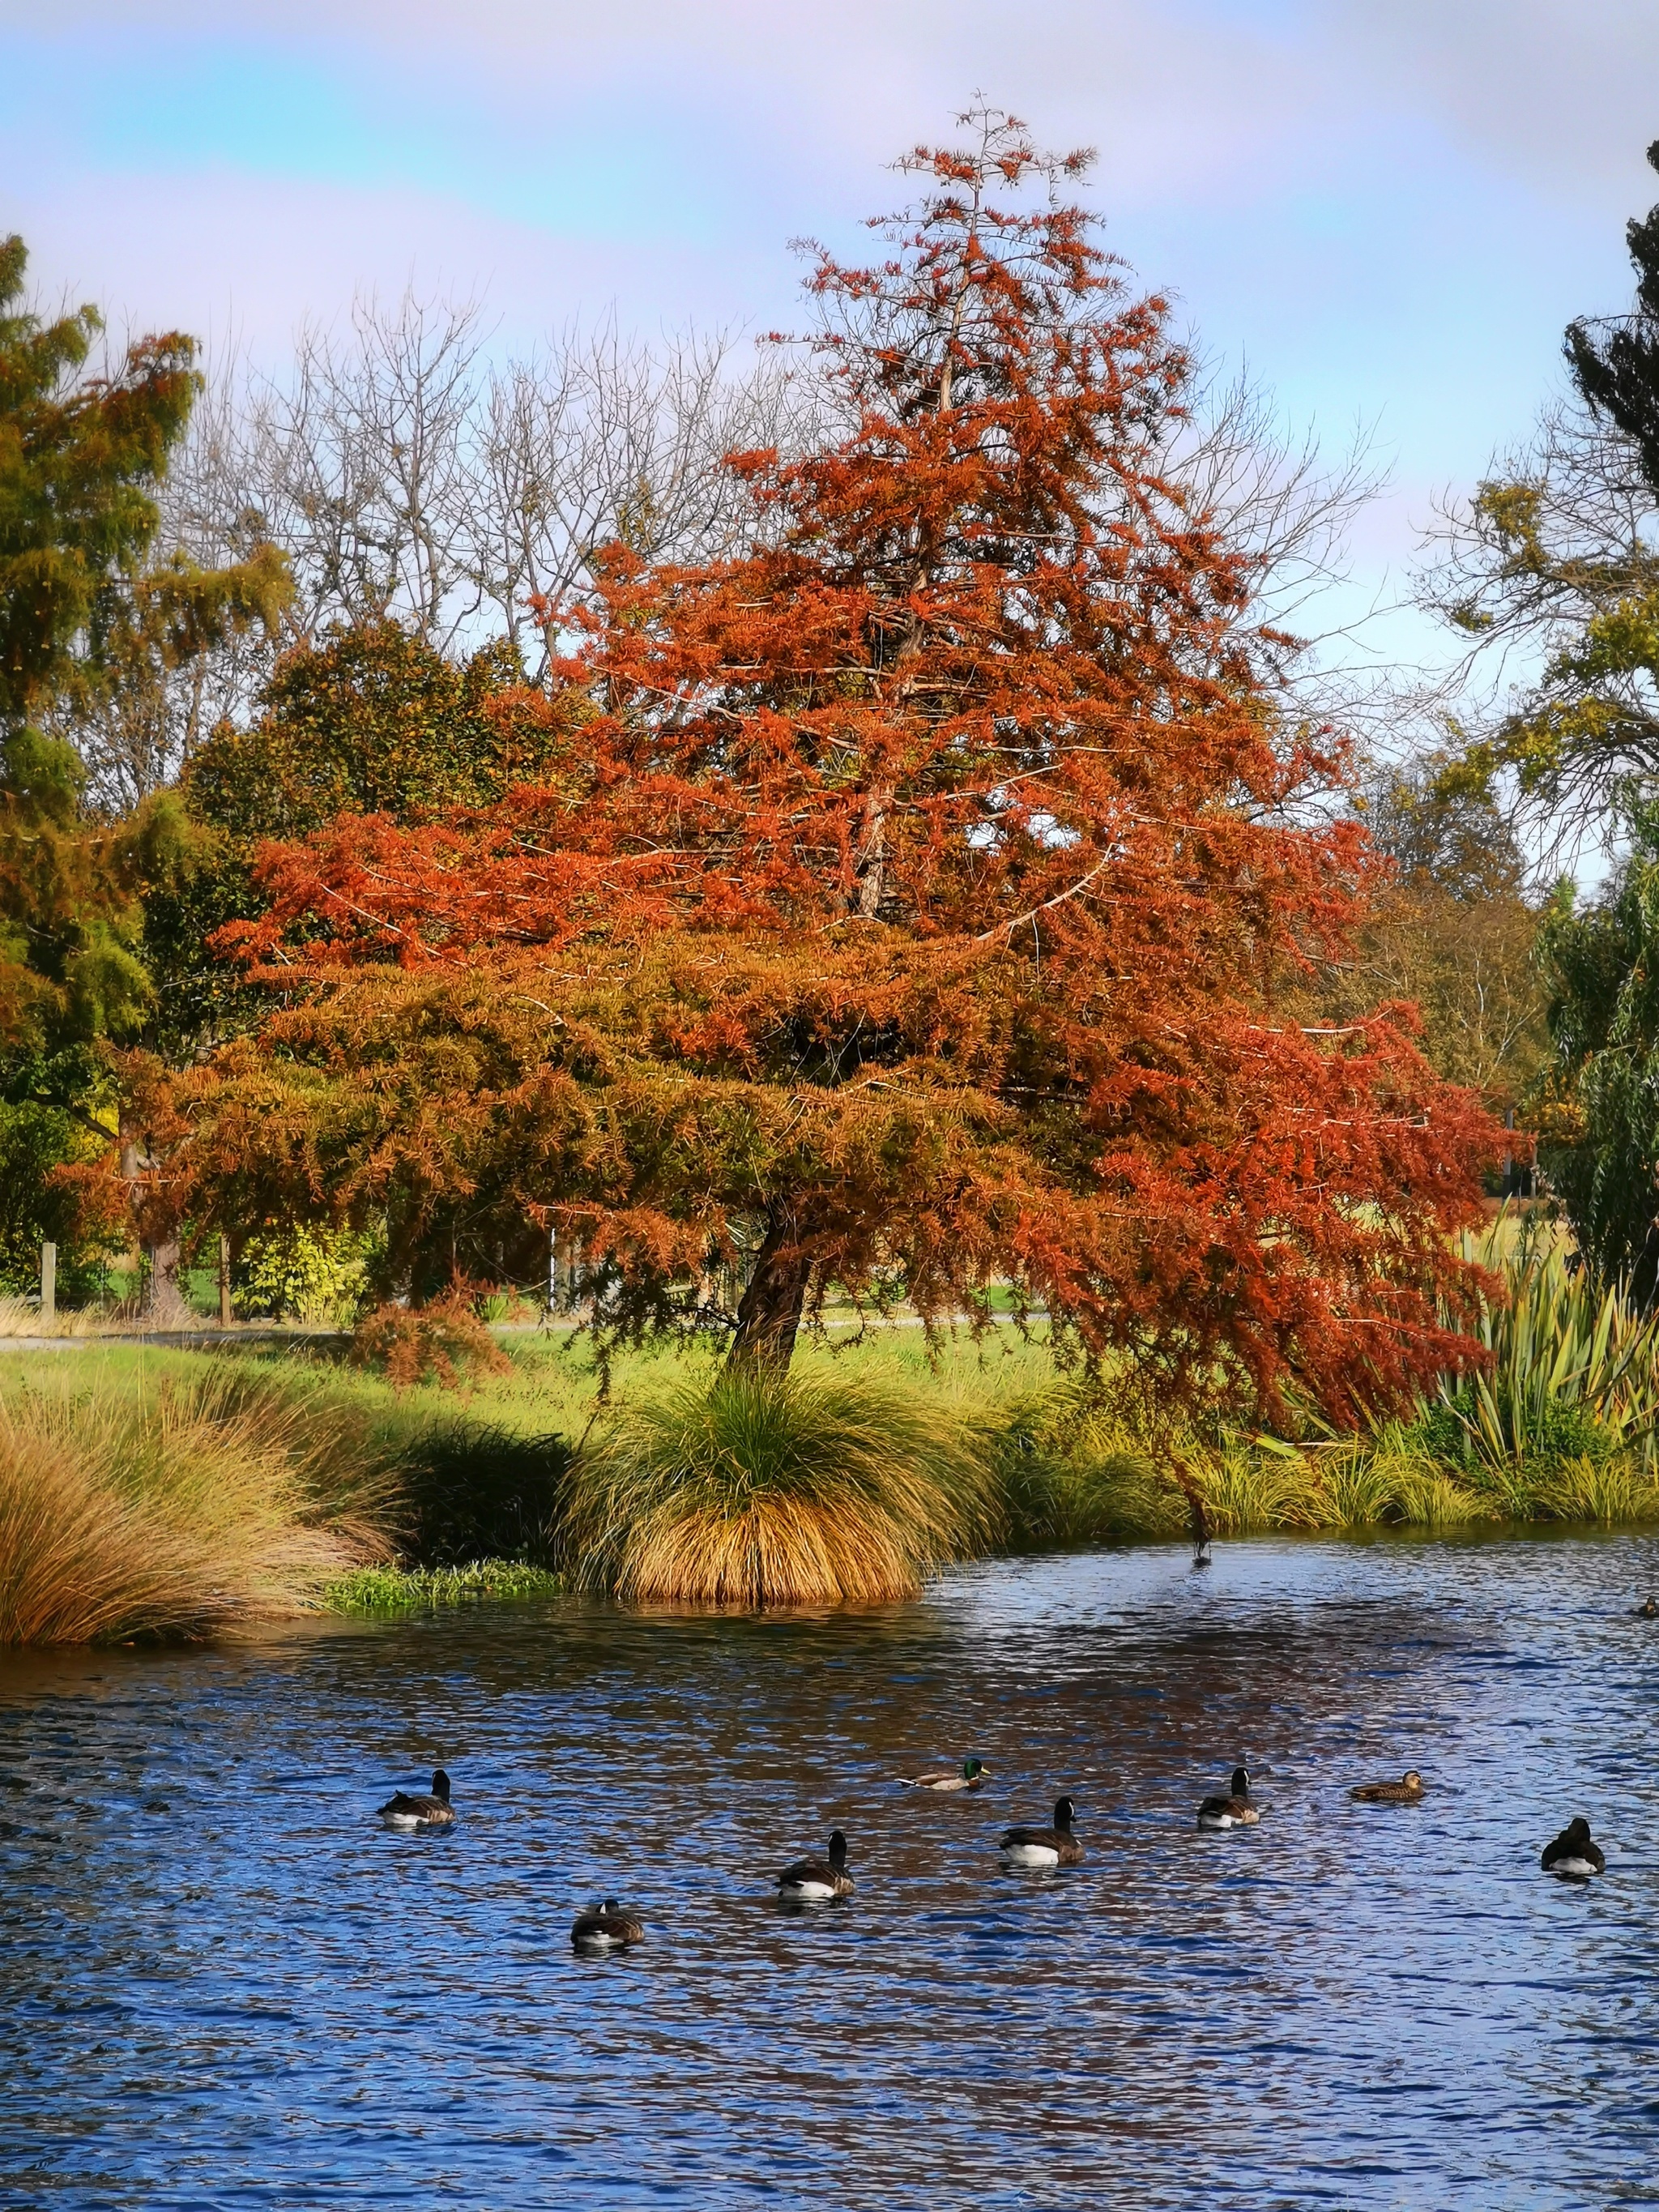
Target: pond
225,1985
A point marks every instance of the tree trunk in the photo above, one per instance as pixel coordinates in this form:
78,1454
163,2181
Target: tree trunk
164,1302
770,1310
873,854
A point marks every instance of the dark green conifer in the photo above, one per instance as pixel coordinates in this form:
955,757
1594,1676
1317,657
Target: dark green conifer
1615,360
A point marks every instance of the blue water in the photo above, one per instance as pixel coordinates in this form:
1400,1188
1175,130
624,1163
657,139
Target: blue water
225,1986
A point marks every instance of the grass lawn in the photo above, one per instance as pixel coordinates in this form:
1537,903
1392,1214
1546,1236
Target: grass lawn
552,1388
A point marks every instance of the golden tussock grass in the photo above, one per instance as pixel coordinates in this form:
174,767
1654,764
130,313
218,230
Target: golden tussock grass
767,1490
174,1512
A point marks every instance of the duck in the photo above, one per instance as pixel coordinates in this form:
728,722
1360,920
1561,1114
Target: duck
1231,1811
1648,1610
971,1775
1044,1847
1572,1856
605,1927
403,1811
1407,1791
814,1882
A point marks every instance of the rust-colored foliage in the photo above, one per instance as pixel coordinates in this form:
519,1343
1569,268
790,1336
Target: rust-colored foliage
444,1341
911,908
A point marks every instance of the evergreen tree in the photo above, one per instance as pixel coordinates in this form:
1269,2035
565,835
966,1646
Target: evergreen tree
84,608
1601,1126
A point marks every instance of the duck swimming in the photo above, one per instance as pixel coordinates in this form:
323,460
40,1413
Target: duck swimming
814,1882
970,1775
433,1811
1406,1791
1044,1847
1572,1856
1231,1811
605,1927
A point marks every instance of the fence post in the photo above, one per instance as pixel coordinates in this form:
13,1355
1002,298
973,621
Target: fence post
224,1281
48,1282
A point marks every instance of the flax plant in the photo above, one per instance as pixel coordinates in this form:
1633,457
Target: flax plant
1574,1368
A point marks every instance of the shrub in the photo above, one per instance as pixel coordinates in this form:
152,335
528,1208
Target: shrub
445,1341
311,1275
1574,1370
759,1489
173,1513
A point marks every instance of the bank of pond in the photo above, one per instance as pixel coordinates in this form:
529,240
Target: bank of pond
145,1494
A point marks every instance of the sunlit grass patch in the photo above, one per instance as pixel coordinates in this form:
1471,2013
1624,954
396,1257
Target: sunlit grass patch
412,1589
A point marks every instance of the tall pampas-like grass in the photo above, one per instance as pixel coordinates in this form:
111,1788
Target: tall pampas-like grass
175,1513
762,1488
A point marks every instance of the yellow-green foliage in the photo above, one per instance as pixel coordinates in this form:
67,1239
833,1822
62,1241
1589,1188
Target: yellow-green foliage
1068,1471
176,1512
316,1276
759,1489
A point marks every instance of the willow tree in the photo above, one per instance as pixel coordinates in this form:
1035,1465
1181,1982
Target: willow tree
909,909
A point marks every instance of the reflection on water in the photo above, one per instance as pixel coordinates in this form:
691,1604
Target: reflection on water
225,1985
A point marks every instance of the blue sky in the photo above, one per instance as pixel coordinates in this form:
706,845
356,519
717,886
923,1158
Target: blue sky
1388,208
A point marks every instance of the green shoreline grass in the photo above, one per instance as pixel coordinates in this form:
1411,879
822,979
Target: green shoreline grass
872,1466
427,1589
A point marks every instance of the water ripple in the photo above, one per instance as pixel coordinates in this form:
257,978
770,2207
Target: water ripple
227,1987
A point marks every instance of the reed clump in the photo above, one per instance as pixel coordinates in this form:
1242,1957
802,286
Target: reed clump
762,1488
176,1512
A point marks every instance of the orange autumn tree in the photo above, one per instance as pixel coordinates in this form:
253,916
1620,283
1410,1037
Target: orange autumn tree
912,908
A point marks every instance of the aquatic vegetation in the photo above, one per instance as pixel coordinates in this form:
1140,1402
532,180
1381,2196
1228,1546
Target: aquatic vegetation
1250,1485
411,1589
176,1512
761,1488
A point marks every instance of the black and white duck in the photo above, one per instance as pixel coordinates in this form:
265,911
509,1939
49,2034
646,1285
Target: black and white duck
1231,1810
815,1881
1044,1847
605,1927
1572,1854
404,1811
